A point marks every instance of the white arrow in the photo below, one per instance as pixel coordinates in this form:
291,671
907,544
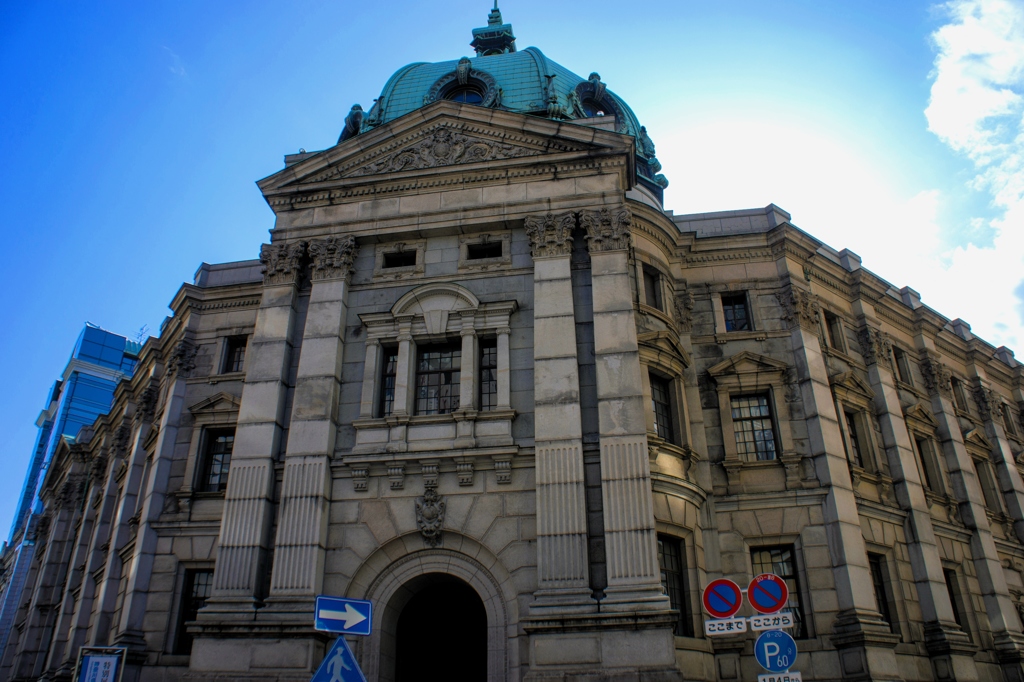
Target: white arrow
349,616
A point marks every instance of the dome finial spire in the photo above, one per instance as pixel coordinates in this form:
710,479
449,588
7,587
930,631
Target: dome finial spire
496,37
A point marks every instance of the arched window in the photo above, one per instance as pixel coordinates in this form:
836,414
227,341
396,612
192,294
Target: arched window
466,94
593,108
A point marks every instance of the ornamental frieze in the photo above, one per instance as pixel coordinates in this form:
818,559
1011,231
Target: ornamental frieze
550,235
990,407
282,263
607,230
684,309
332,257
183,358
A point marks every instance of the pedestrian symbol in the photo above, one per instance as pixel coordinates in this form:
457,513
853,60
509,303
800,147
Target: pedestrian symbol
339,665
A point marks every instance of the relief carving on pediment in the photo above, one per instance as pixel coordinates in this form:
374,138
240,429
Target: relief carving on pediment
443,146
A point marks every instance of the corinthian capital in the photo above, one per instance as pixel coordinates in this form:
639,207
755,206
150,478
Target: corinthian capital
282,263
937,377
332,257
550,235
607,230
799,307
875,346
989,405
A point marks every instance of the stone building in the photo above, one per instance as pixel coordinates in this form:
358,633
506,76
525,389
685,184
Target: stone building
482,378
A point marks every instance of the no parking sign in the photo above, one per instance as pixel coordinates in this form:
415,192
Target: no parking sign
768,593
722,598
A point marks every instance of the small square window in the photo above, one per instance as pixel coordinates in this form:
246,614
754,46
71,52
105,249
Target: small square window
737,313
216,460
483,250
399,259
234,354
753,427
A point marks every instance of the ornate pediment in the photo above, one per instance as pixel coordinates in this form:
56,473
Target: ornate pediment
663,346
976,438
850,383
748,363
918,413
221,402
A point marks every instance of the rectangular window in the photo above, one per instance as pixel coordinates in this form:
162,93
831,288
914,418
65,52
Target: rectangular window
989,489
216,460
956,599
387,381
835,331
194,593
438,372
234,356
929,466
488,374
399,259
781,561
737,315
752,425
661,405
856,453
1008,421
652,287
483,250
902,365
673,580
883,590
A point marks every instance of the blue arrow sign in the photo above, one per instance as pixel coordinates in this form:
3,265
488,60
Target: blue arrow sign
339,665
775,651
348,616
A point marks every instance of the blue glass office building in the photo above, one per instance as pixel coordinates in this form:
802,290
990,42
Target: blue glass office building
85,391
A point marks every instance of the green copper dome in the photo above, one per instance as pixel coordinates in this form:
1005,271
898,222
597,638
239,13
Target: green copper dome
501,77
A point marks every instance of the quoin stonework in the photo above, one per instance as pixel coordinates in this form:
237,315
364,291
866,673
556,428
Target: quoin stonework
482,378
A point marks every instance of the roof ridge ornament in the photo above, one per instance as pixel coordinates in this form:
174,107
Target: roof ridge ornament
495,38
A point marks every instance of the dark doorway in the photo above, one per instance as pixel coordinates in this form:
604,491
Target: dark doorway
442,633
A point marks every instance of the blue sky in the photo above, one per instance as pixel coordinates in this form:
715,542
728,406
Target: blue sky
134,134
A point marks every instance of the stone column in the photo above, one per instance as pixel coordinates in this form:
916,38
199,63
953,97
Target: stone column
1002,616
1010,484
248,502
631,543
563,571
179,362
300,545
859,631
948,646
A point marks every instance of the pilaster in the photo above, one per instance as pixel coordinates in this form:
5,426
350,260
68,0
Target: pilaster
563,584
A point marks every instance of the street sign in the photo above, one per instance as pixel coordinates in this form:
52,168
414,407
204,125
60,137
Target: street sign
722,598
780,677
767,593
724,626
347,616
339,665
774,621
100,664
775,651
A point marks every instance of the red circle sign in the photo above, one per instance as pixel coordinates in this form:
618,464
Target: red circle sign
768,593
722,598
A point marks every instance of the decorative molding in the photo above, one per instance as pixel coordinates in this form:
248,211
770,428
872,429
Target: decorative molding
430,472
220,305
550,235
282,263
119,440
684,308
730,256
444,146
146,405
937,377
799,307
990,407
464,471
875,347
464,74
396,474
607,230
430,516
503,471
360,478
332,257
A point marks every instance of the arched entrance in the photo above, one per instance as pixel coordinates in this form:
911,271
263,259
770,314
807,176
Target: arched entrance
442,627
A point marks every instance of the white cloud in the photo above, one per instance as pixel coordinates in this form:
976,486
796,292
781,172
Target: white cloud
977,109
176,65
